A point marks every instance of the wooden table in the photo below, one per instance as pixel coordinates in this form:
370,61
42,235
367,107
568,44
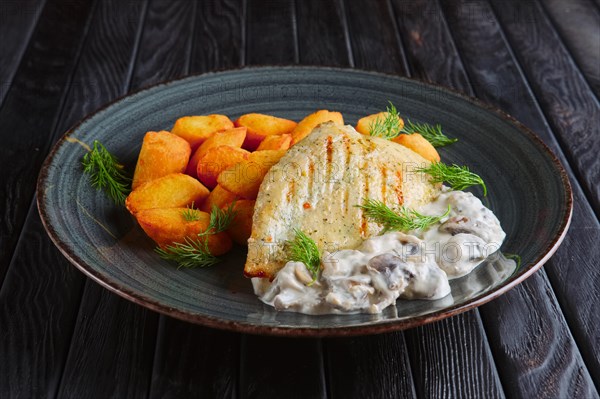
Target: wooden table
63,335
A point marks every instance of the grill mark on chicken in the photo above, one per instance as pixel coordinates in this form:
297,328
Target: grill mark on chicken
311,175
363,217
348,152
291,190
346,197
363,225
383,184
398,189
346,172
329,150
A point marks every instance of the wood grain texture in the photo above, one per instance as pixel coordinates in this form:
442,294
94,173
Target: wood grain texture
106,320
29,111
496,78
539,361
374,39
321,33
577,288
443,366
194,361
567,100
369,367
40,295
219,35
578,23
271,39
429,47
38,307
190,360
166,42
583,226
452,359
348,373
271,32
112,348
265,373
530,339
106,65
395,375
18,19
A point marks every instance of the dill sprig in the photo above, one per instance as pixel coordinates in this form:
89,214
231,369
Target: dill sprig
457,177
402,219
303,249
191,214
431,133
192,253
220,219
387,127
106,172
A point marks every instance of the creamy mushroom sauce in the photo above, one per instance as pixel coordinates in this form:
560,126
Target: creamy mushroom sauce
394,265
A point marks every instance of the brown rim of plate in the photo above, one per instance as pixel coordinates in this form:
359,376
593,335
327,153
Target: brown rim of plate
381,327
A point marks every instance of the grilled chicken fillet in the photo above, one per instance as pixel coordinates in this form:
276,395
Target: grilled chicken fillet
316,186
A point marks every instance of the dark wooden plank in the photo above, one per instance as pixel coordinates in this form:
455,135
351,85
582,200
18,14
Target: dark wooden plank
574,275
541,359
459,366
17,22
112,348
113,340
321,33
391,368
369,367
194,361
107,62
583,226
271,32
577,287
429,46
35,289
578,22
443,353
191,360
494,76
28,113
39,297
352,364
166,42
497,79
374,39
264,375
567,100
271,39
38,307
219,38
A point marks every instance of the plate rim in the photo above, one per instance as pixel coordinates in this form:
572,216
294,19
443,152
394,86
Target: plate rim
360,329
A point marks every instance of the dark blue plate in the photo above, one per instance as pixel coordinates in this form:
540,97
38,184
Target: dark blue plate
528,190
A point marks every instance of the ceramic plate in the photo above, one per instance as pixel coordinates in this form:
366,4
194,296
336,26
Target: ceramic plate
528,190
